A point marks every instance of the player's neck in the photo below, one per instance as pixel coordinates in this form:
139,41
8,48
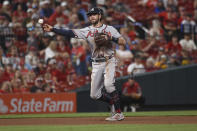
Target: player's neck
99,24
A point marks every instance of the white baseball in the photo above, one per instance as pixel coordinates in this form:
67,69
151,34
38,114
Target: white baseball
40,21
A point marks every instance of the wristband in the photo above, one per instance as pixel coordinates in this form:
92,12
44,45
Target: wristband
53,29
114,39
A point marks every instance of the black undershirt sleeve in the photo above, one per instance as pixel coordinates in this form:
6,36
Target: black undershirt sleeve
64,32
115,39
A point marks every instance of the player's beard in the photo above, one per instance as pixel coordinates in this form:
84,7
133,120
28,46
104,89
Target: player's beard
95,22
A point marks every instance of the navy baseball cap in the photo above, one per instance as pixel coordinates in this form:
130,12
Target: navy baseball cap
95,10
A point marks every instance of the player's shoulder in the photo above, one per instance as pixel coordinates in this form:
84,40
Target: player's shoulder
109,26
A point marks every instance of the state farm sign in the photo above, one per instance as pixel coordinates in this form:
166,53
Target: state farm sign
37,103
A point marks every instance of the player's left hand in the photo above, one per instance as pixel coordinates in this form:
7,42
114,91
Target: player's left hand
101,39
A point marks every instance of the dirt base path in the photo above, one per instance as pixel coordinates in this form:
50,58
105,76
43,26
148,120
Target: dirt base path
100,120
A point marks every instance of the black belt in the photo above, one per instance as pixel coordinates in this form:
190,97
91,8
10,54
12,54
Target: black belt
102,59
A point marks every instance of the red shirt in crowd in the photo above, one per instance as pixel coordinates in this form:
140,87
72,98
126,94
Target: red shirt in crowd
153,51
20,90
151,3
4,77
173,48
55,15
61,76
20,15
168,18
79,51
128,89
64,49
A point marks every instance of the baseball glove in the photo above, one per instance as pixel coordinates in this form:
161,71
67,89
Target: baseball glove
101,39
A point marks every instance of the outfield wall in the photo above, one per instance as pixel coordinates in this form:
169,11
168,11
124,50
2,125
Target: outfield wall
174,86
170,87
38,103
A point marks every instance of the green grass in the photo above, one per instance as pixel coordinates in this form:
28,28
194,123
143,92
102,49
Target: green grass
105,127
114,127
148,113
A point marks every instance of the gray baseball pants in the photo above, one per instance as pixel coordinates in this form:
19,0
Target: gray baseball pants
103,75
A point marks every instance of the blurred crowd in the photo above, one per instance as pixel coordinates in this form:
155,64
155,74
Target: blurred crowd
36,61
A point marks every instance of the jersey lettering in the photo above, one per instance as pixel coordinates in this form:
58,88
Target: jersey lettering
91,34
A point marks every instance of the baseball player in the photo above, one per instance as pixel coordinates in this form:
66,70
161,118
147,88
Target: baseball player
99,37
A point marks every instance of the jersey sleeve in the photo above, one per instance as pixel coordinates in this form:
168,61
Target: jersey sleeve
114,32
80,33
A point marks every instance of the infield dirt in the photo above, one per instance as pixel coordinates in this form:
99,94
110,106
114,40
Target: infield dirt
100,120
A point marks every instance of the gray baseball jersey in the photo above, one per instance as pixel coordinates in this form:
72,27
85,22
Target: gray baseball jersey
87,33
103,73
